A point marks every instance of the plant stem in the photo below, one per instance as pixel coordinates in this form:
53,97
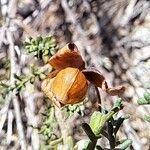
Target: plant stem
64,128
13,95
110,135
89,132
99,98
55,142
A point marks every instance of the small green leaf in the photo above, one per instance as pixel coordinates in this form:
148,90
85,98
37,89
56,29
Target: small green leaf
41,47
145,100
118,105
83,144
147,97
97,122
142,101
124,144
147,118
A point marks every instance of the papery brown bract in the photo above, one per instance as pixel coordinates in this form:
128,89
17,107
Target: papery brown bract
68,56
118,90
94,76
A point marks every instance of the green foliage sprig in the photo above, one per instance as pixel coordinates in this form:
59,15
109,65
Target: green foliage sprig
145,101
20,82
41,47
76,108
5,63
106,124
4,75
48,124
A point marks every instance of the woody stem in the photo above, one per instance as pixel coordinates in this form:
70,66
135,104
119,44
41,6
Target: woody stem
64,128
98,98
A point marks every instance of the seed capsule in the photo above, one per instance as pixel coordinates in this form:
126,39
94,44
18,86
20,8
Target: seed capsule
69,86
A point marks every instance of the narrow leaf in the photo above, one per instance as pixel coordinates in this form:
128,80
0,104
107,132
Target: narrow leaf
125,144
147,118
89,132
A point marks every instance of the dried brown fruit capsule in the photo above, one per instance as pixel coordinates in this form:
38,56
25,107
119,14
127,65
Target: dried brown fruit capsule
69,86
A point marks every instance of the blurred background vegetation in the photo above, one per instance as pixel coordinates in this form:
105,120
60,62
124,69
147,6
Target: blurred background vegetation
112,35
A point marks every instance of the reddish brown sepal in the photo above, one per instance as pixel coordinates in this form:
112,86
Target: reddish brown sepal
95,77
68,56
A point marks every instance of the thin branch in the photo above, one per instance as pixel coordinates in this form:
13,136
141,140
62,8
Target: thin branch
9,126
32,118
64,128
4,111
3,118
14,97
99,98
128,13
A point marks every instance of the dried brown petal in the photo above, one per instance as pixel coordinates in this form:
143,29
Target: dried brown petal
96,78
119,90
68,56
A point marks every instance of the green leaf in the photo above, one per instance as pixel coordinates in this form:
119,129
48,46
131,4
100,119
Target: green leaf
76,108
82,144
145,100
18,77
117,105
142,101
147,97
124,144
147,118
99,119
4,85
48,124
97,122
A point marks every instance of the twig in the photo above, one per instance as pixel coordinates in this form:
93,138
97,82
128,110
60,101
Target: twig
4,111
32,119
14,97
132,134
55,142
9,126
3,119
98,97
27,28
128,13
64,128
111,137
35,139
12,9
